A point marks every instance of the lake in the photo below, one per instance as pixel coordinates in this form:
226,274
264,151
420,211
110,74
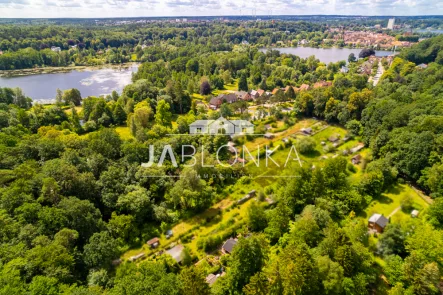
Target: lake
325,55
90,82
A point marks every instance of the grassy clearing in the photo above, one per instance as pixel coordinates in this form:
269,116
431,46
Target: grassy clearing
124,133
392,199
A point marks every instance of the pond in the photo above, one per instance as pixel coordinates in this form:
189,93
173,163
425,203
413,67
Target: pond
325,55
90,82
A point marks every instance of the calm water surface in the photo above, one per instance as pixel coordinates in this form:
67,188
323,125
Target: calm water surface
325,55
95,82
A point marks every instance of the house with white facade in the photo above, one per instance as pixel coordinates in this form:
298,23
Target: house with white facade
221,126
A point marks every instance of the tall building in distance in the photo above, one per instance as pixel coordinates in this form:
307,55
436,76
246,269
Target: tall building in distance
391,23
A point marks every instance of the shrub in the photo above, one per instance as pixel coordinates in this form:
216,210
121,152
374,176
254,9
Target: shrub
306,145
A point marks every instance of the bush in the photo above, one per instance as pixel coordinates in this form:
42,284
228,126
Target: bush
407,204
306,145
352,168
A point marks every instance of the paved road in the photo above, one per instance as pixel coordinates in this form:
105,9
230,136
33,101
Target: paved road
379,73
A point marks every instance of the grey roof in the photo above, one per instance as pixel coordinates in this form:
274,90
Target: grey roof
228,246
215,101
231,97
379,219
204,123
201,123
176,252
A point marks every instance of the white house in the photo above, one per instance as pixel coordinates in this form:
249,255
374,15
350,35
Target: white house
221,126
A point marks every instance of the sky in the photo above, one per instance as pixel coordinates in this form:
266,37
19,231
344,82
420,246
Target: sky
138,8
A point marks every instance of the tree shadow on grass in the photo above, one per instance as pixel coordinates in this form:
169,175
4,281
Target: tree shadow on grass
312,155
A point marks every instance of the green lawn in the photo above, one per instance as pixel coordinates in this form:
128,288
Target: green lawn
124,133
392,199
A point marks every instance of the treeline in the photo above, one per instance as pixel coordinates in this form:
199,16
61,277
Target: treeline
27,46
429,50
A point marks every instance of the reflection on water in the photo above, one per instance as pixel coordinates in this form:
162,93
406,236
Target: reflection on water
325,55
94,82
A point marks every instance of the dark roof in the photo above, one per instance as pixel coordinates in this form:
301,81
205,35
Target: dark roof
229,245
379,220
231,97
382,221
215,101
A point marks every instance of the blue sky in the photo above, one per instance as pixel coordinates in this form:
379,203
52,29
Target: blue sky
133,8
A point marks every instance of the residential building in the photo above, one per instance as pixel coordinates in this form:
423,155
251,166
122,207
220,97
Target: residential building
322,84
243,95
304,87
254,94
217,101
221,126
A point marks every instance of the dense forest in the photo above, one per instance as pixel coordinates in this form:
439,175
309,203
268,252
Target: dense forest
82,42
74,196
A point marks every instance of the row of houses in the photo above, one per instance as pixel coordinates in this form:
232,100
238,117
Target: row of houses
253,95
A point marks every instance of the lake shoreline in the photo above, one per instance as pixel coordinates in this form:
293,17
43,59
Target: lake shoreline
59,70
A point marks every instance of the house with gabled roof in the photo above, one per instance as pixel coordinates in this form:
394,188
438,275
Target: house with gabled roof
217,101
229,245
304,87
322,84
261,92
377,222
221,126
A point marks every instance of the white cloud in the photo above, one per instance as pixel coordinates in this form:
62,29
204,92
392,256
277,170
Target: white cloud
116,8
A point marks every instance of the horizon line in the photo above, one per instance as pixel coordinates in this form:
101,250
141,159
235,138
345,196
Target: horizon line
230,15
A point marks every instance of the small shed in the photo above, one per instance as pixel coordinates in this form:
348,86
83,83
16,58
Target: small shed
176,253
169,234
116,262
269,136
229,245
377,222
414,213
357,148
356,159
333,138
211,278
153,243
136,257
307,131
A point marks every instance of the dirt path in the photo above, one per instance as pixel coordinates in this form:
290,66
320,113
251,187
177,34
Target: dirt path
393,212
